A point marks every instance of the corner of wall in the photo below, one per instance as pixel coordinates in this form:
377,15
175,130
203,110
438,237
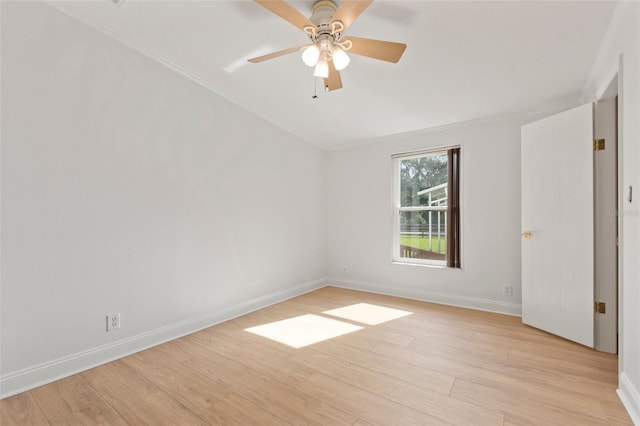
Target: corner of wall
603,70
630,397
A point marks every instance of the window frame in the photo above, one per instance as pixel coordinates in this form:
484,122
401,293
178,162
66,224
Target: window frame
396,159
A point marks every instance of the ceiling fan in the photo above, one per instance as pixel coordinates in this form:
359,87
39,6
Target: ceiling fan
325,28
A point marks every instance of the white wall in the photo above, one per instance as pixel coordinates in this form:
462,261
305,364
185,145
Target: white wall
359,218
128,188
620,53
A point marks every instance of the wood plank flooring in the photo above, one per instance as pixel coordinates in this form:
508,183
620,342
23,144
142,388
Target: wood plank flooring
438,366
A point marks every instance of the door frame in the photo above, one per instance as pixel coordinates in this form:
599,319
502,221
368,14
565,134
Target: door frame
610,284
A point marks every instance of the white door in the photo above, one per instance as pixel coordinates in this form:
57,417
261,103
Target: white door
557,216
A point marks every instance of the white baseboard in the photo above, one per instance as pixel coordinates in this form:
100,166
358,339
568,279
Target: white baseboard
426,296
41,374
630,397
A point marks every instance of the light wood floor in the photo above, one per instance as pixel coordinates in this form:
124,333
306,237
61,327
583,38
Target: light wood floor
440,365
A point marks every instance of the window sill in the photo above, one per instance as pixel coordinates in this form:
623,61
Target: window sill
423,265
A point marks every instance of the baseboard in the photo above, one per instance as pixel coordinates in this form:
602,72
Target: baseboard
426,296
630,397
29,378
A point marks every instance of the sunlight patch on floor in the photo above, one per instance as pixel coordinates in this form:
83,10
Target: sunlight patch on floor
368,314
304,330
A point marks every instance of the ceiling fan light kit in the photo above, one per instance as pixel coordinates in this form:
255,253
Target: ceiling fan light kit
340,58
322,69
327,52
310,55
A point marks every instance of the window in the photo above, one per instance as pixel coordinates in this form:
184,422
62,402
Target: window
426,204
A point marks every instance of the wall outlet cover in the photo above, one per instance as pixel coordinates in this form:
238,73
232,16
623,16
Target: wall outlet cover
113,322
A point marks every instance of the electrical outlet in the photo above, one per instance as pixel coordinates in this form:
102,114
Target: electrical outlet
507,290
113,321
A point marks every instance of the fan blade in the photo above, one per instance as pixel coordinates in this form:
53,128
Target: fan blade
349,10
277,54
286,12
377,49
334,81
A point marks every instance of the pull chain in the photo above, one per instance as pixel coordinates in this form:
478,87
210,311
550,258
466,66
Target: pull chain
315,88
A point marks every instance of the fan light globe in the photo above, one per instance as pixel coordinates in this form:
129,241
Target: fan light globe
310,55
322,69
340,58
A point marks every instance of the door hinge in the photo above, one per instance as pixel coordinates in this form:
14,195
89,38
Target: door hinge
598,144
599,307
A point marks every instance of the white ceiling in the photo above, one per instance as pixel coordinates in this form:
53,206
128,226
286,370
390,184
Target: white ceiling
464,60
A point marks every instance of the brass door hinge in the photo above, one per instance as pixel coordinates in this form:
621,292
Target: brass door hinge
599,307
598,144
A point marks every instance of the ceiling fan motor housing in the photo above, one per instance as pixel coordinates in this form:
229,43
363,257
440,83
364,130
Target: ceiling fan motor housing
322,12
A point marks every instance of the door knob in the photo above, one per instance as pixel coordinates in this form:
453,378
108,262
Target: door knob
527,234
